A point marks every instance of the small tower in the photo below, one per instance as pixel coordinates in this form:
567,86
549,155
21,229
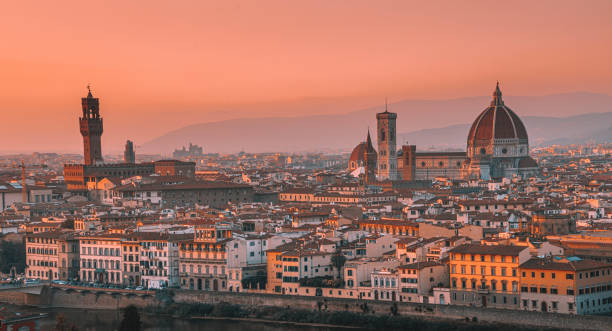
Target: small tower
91,129
387,156
129,156
369,161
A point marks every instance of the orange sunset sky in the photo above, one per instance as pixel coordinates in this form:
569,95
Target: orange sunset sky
160,65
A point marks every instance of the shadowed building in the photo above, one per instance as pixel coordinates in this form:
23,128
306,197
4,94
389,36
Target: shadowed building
129,156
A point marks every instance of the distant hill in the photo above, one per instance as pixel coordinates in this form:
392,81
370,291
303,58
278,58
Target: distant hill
578,117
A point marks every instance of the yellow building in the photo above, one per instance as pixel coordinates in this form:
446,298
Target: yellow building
486,276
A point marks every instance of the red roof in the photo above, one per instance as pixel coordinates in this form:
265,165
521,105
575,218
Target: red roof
497,121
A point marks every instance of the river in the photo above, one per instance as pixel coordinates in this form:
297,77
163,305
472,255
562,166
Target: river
104,320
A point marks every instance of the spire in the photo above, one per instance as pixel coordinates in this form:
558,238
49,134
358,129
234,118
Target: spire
497,96
369,140
386,111
89,95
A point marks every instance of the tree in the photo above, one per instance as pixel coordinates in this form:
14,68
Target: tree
131,319
12,254
338,260
68,224
62,325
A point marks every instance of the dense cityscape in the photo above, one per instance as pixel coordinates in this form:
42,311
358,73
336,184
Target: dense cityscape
313,165
501,225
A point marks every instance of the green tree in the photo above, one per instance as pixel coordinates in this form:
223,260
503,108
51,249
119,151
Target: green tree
12,254
338,259
131,319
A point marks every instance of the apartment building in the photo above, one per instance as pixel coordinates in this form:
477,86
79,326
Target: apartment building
203,259
417,280
130,251
304,263
159,258
101,258
486,275
52,255
385,284
247,261
566,285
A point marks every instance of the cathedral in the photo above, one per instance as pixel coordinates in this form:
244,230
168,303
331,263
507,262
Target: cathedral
497,147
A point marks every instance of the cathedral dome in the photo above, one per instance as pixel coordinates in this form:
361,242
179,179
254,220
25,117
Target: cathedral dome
496,122
360,152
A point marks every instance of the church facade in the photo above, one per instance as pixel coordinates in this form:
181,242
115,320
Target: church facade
497,147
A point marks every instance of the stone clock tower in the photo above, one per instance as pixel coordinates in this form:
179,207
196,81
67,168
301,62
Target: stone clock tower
91,129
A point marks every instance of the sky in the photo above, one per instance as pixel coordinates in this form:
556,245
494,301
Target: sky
160,65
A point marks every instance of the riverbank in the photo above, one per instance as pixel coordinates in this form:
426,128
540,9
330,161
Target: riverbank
320,318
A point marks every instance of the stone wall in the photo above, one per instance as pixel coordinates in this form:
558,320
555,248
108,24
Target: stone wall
58,298
404,308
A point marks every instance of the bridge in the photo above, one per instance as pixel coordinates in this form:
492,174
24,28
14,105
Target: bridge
101,290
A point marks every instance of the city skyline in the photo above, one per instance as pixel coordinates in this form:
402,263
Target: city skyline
163,67
290,165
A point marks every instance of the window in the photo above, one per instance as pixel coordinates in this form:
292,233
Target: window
571,276
552,275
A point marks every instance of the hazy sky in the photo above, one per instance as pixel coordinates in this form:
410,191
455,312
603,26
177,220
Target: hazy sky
158,65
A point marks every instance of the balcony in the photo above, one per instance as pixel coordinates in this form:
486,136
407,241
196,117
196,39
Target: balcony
483,289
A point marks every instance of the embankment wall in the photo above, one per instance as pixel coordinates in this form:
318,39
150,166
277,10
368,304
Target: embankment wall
61,298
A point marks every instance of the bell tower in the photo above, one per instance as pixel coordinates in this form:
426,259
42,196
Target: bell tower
387,157
91,129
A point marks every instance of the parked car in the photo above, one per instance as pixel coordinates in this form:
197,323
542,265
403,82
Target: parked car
31,281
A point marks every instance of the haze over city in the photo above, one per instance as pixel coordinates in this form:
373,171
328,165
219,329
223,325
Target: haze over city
158,66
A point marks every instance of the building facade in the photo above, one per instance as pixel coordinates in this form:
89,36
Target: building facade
486,276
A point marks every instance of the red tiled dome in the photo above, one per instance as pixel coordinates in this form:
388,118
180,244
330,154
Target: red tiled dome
360,151
497,122
357,153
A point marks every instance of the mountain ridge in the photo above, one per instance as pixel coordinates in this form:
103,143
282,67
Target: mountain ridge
343,131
